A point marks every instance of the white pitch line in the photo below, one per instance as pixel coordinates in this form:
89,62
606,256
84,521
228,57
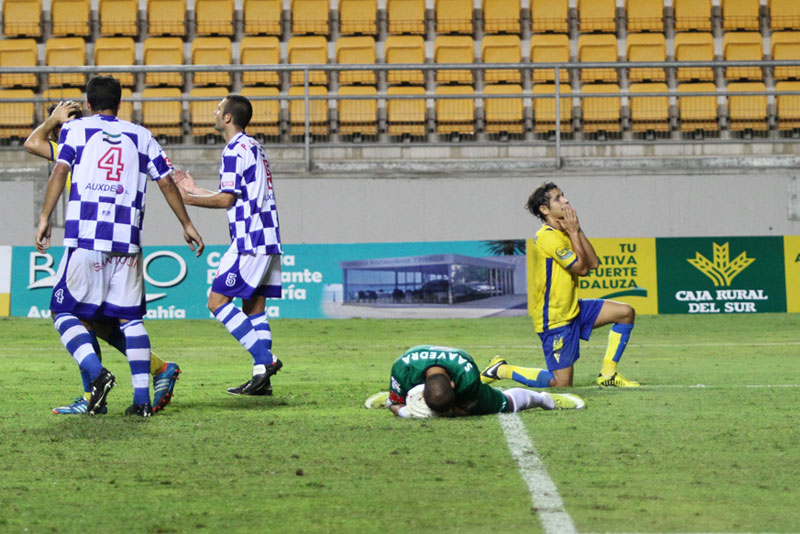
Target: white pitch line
646,387
546,500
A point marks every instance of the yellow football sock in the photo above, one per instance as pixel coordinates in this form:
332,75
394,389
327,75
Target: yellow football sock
530,376
156,364
609,365
87,395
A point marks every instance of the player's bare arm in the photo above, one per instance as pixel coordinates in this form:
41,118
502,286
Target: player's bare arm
38,142
55,186
193,195
173,197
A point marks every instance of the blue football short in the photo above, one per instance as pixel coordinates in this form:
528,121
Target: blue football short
246,275
562,345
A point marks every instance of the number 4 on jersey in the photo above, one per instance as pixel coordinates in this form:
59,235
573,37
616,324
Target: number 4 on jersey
111,162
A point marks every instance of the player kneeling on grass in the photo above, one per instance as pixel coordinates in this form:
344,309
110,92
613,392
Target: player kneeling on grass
451,386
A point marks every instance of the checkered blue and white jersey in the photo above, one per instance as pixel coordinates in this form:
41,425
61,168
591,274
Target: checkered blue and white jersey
253,218
110,160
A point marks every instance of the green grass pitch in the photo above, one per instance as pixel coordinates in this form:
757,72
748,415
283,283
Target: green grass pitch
709,444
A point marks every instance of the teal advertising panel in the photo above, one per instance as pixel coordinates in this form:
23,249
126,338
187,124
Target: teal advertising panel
721,275
177,283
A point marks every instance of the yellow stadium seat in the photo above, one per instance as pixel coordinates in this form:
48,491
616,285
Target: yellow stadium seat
597,15
546,48
454,16
358,17
595,48
787,107
544,109
212,51
649,113
743,46
116,51
202,112
308,50
266,118
645,15
356,50
71,17
310,17
404,49
549,16
501,49
163,51
740,15
54,96
318,115
166,17
784,14
65,52
262,17
125,111
358,117
163,117
503,115
697,112
692,15
18,53
22,18
694,47
747,112
601,113
785,46
16,118
454,49
259,50
646,47
501,16
119,17
455,115
214,17
406,16
405,116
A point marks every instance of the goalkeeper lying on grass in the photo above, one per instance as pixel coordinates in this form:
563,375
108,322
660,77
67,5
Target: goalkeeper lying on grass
444,381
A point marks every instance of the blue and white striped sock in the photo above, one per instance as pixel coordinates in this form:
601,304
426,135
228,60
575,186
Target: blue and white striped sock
78,342
242,329
261,325
137,344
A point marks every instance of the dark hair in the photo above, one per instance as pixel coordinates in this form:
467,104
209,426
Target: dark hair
439,394
104,92
240,109
540,197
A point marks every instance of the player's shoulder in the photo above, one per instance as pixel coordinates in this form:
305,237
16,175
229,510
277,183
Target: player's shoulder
548,235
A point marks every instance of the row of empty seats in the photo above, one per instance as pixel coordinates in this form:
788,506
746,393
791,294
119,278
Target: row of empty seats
408,116
398,49
217,17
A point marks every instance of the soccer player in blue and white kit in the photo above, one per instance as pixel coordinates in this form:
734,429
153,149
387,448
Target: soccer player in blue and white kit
100,275
251,267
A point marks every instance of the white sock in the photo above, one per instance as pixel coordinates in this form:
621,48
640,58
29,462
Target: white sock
524,399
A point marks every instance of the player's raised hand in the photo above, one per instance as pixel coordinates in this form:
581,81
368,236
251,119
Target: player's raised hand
43,235
65,110
185,182
570,222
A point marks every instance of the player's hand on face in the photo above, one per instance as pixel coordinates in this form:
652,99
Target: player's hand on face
63,109
43,236
570,221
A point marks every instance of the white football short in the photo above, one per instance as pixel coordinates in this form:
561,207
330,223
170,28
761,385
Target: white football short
95,285
246,275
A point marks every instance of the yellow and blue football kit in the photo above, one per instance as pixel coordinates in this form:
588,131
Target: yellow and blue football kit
560,318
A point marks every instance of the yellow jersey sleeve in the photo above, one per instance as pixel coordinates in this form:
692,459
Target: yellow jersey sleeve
552,289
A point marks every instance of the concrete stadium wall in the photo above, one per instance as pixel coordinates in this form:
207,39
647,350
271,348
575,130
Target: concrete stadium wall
459,200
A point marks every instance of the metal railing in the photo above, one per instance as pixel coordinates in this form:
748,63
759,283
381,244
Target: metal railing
479,96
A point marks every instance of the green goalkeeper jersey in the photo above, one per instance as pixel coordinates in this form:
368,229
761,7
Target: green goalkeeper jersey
409,369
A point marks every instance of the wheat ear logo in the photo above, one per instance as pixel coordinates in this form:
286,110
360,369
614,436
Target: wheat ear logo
722,270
